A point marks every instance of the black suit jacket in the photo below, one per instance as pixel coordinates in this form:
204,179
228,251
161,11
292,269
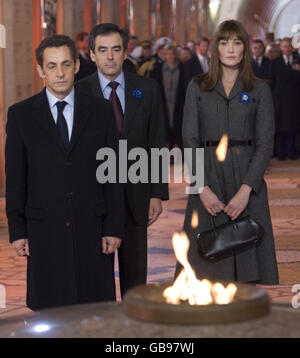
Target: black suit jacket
87,67
54,200
285,86
143,127
192,68
264,70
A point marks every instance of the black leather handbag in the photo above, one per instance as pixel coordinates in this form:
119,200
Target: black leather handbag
228,237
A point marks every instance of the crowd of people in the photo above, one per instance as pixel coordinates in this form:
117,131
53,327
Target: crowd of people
175,66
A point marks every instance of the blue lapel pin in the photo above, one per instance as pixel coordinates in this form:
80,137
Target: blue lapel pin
245,97
138,93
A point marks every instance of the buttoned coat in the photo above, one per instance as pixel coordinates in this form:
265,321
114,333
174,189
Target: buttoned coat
207,116
54,199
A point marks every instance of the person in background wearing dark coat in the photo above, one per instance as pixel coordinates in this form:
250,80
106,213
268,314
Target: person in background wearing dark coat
199,63
261,64
140,114
60,217
87,66
170,76
286,89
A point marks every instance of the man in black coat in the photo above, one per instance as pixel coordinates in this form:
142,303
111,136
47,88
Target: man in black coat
261,64
66,222
286,88
87,66
138,107
199,63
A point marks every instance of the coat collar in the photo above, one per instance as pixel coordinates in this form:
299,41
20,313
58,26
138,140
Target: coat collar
236,89
43,115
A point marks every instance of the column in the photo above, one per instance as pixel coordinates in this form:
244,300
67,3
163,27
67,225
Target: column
16,64
2,116
111,10
180,30
88,9
141,19
166,17
70,17
37,34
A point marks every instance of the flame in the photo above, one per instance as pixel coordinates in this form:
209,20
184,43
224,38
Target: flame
194,221
188,288
221,150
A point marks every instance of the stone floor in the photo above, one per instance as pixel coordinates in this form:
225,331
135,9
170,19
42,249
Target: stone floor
283,179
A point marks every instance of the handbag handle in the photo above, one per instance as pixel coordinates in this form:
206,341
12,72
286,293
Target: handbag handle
214,227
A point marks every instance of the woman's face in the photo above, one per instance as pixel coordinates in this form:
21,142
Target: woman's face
231,52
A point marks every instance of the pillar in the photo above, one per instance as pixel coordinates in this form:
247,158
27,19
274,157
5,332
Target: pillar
111,10
181,23
37,34
16,64
69,17
88,9
166,17
141,19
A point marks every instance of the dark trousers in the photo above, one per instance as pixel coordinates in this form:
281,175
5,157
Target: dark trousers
132,255
285,145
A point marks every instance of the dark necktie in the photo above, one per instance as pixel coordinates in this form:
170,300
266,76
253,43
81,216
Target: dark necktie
62,123
116,104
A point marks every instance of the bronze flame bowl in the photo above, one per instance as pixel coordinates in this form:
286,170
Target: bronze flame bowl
146,303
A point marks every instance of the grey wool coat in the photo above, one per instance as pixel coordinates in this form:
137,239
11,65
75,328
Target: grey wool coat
207,116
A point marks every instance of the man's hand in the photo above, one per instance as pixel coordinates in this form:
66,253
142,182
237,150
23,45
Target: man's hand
155,209
210,201
21,247
239,202
110,244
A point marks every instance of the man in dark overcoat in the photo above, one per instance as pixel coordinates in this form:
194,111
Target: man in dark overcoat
139,113
66,222
286,88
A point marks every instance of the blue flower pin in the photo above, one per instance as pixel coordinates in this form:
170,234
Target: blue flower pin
138,93
245,97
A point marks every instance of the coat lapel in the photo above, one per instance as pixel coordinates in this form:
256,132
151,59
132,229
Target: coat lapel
82,113
131,103
236,89
44,117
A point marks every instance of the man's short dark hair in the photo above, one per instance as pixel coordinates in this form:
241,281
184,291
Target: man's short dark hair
202,39
55,41
81,35
258,41
107,29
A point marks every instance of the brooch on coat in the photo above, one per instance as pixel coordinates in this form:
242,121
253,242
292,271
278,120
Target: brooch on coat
245,97
138,93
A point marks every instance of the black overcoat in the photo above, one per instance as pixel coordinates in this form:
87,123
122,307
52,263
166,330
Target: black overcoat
54,200
285,86
143,127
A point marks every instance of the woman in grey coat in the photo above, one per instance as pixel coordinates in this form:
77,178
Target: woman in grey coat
229,99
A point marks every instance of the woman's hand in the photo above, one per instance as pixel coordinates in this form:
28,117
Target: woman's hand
210,201
239,202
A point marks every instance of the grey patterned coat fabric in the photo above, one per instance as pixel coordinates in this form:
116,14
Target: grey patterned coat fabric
207,116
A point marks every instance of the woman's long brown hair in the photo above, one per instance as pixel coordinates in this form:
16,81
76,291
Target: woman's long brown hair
227,30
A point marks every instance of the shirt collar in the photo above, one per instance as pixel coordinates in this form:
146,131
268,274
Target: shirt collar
52,99
104,82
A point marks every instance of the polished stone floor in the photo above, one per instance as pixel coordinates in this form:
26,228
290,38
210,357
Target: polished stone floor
283,179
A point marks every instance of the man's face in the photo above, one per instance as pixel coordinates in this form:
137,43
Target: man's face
109,55
286,48
257,49
58,70
203,48
170,57
84,44
132,44
146,52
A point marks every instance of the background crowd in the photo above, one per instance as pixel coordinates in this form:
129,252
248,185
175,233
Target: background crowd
173,66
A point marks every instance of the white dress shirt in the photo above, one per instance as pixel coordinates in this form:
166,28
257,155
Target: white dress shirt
68,111
286,59
106,89
204,62
258,60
